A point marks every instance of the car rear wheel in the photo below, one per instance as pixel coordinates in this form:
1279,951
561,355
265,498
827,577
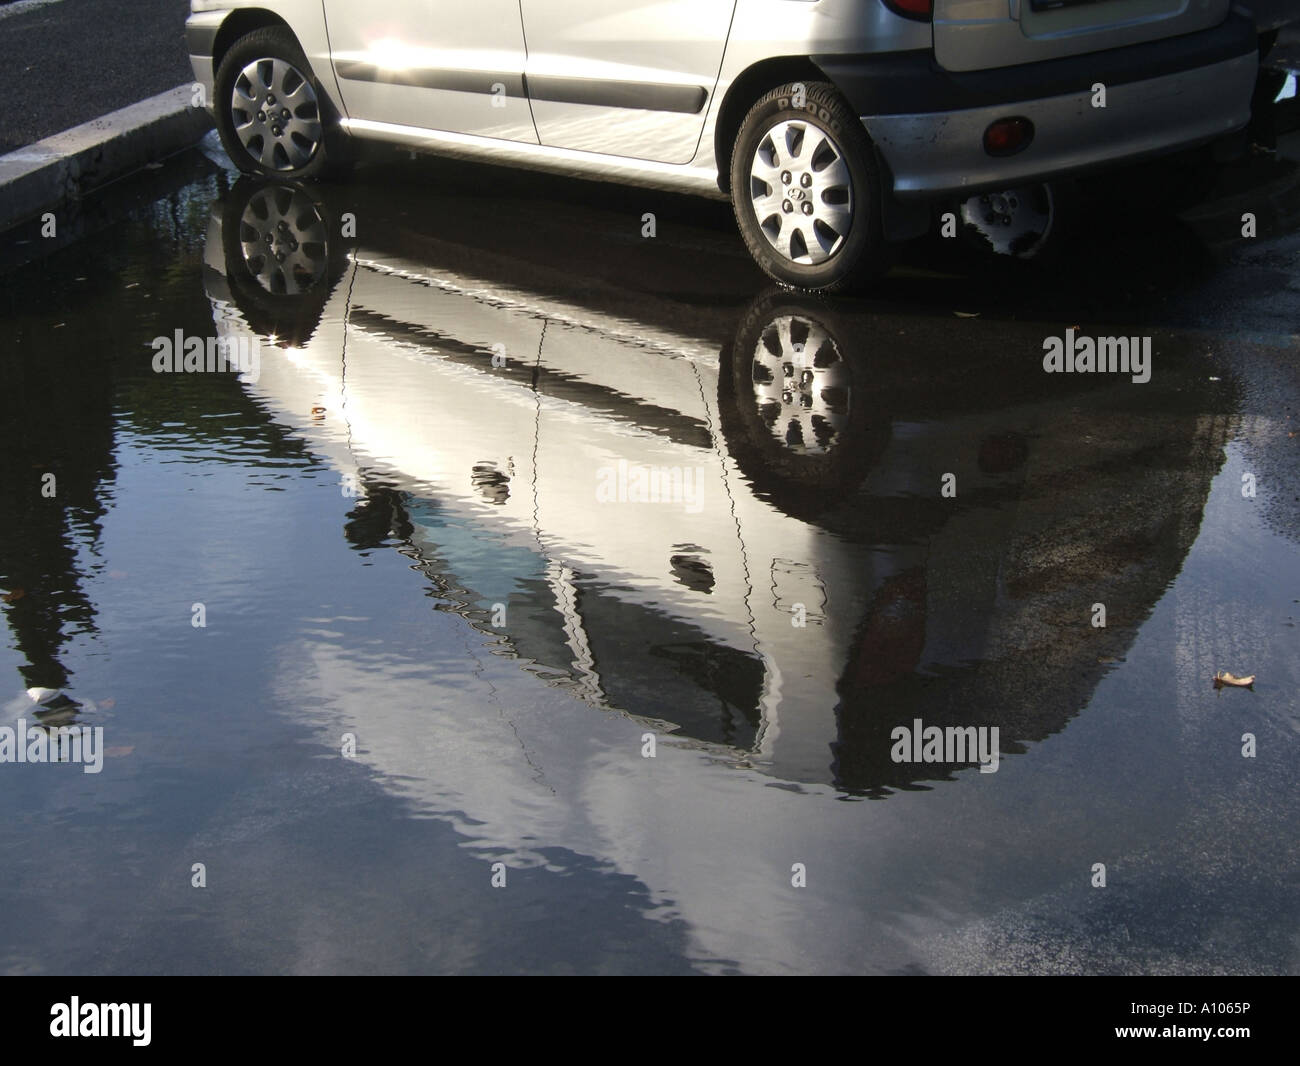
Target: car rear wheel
272,115
1022,223
806,190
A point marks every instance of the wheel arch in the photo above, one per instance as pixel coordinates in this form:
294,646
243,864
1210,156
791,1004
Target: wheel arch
239,22
743,92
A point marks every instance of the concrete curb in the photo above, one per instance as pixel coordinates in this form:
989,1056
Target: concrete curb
86,157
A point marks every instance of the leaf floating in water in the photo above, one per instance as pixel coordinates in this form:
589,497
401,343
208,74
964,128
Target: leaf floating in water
118,752
967,314
14,595
1224,678
318,410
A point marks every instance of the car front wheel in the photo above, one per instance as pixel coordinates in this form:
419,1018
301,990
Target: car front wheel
272,116
806,189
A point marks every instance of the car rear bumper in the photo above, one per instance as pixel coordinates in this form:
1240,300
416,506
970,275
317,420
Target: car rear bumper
940,154
928,124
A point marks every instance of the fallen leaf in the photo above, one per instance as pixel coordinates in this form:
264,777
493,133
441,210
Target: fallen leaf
967,314
118,752
318,410
117,573
14,595
106,704
1225,678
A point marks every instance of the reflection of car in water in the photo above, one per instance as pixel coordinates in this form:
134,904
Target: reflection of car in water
750,545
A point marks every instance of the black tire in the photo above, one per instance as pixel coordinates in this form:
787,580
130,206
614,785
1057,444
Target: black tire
330,151
861,252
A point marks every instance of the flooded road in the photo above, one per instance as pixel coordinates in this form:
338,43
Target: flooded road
523,594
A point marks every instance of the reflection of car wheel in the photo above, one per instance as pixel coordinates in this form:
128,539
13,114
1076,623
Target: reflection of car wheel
272,115
806,189
1016,224
798,414
281,259
801,384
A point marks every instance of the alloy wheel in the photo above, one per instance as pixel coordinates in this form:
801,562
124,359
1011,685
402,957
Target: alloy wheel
802,192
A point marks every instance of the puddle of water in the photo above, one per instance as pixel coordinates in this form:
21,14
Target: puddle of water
466,541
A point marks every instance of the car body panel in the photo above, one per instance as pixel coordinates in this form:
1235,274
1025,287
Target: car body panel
622,77
982,34
433,63
699,178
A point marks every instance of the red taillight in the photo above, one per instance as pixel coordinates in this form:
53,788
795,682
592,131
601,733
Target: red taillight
921,10
1007,136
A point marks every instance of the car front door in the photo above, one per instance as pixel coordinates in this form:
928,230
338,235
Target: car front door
432,64
624,77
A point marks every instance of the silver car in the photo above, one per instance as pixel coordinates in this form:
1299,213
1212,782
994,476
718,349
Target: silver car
833,126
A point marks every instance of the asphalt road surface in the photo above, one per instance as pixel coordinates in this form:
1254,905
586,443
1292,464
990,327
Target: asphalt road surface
69,61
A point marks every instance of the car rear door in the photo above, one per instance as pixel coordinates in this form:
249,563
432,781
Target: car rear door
982,34
624,77
432,64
